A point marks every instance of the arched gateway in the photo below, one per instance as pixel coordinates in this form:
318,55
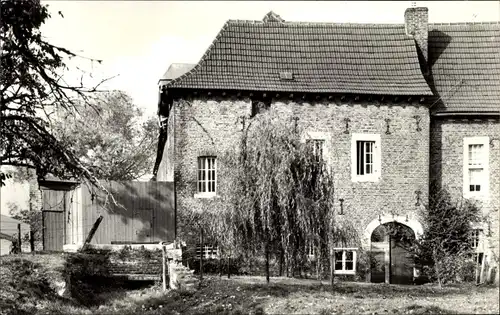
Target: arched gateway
389,239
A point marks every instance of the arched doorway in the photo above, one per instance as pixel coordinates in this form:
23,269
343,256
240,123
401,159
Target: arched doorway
391,261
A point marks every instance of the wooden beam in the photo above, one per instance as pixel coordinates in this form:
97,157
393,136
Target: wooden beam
91,233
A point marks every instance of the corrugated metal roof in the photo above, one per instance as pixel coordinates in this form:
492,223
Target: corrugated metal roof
465,63
322,57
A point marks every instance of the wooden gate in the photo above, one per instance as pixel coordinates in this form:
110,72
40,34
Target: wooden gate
391,261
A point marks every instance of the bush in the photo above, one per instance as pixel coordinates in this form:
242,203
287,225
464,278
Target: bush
444,251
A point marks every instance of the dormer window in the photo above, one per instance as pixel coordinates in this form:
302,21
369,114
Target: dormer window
286,76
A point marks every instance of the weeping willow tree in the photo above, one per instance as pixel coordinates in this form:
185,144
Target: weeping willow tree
279,195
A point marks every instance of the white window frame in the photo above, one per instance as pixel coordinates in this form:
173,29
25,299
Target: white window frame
208,251
476,239
322,136
343,271
206,193
377,157
485,142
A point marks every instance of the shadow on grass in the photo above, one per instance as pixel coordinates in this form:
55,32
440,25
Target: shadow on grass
233,297
356,290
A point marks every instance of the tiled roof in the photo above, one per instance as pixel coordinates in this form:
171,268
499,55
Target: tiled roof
465,63
321,57
176,70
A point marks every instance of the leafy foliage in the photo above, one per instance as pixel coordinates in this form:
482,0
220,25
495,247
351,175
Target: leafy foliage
276,197
445,248
32,86
112,138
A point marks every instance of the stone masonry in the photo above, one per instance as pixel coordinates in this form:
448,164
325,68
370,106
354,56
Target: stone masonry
210,127
447,138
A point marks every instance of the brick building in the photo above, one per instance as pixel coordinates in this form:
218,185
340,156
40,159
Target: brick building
394,107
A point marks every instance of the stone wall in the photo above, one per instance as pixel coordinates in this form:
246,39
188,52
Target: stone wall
447,158
211,127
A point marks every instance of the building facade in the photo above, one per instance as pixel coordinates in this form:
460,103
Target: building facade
393,107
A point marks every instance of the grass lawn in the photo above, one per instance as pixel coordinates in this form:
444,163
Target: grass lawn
294,296
246,295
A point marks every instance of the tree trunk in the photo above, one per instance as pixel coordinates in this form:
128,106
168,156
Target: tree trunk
437,268
281,262
287,266
332,268
267,262
229,265
220,264
318,259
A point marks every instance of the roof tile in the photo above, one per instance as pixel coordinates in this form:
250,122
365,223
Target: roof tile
465,63
324,58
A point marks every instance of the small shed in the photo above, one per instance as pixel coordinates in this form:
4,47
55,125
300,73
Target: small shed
143,214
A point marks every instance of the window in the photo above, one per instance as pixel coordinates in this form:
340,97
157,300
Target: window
208,251
259,106
476,155
207,176
476,238
365,157
317,146
345,261
364,151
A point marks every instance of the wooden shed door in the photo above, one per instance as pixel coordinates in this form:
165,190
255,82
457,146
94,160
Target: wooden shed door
53,233
53,213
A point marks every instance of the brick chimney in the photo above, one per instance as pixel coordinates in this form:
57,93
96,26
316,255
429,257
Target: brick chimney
416,26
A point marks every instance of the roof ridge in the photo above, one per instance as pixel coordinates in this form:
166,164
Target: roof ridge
465,23
305,23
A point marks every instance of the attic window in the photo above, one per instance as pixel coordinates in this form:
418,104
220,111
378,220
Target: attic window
286,75
259,106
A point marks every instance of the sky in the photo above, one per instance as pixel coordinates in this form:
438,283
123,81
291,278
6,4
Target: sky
138,40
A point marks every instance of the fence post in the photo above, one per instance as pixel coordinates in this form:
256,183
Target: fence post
201,255
19,237
164,275
32,241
